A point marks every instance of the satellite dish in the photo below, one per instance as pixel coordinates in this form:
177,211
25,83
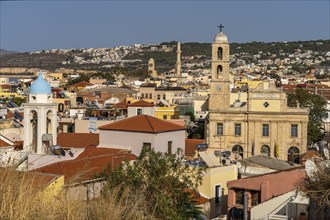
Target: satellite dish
326,153
311,170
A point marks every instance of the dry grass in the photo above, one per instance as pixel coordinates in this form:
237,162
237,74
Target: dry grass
22,198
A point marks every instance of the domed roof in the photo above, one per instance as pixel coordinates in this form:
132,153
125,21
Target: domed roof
220,38
40,86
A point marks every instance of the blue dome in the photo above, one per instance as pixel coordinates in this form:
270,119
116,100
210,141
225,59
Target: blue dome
40,86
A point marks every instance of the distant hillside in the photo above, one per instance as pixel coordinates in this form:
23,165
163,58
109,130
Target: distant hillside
4,52
165,59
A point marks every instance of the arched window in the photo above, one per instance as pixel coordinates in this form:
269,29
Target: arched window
219,69
34,129
49,122
265,150
294,155
220,53
60,107
238,150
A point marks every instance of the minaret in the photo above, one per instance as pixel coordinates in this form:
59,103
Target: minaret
178,60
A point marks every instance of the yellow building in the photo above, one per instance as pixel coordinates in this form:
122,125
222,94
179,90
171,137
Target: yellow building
56,76
263,124
214,187
252,84
167,112
161,112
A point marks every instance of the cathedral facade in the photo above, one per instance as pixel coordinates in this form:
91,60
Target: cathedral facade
262,124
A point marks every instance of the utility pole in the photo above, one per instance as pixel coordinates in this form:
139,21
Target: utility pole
245,205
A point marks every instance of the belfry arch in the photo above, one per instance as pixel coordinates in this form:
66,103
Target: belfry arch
220,53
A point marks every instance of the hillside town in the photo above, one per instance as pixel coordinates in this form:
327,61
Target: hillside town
251,125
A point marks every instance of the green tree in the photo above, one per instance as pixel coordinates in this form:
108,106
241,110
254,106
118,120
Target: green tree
162,179
317,110
18,100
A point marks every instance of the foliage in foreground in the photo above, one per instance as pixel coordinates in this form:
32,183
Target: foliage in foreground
162,179
22,198
318,189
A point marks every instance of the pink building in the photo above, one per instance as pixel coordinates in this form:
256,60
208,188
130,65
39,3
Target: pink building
261,188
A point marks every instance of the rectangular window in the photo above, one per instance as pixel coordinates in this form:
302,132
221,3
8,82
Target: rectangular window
164,97
220,129
237,129
294,130
255,198
164,117
239,197
169,147
147,145
158,97
265,130
218,194
139,111
150,96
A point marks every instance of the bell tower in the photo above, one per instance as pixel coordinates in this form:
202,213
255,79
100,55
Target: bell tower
220,91
40,117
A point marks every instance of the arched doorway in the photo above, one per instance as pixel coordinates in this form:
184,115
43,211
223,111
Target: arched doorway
294,154
220,53
265,150
238,151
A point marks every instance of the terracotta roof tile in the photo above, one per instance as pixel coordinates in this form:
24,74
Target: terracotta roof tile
142,123
77,140
141,103
120,105
100,151
190,146
82,84
86,167
10,114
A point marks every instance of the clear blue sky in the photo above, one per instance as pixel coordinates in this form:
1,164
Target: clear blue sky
37,25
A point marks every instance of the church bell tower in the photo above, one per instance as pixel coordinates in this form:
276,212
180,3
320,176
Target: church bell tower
220,91
40,117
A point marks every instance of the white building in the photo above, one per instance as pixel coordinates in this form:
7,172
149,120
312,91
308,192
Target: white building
142,130
140,107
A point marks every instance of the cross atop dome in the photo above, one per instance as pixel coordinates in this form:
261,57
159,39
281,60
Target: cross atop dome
221,27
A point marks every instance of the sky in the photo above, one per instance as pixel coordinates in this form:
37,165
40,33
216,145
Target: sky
37,25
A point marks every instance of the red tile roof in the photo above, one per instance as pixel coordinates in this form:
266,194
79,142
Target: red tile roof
100,151
141,103
120,105
190,146
82,84
78,140
11,114
142,123
86,167
196,198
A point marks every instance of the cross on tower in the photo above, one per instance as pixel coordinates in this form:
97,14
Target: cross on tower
221,26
